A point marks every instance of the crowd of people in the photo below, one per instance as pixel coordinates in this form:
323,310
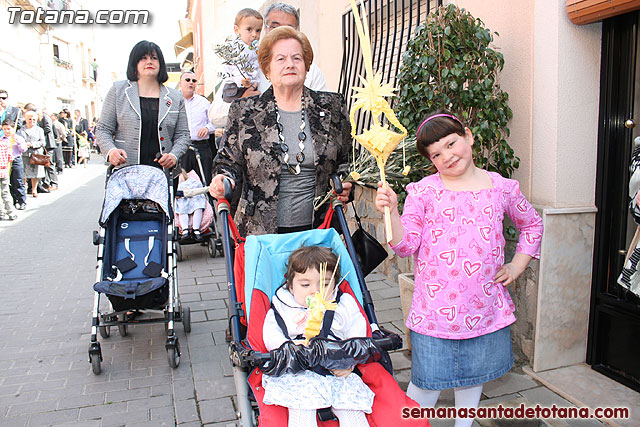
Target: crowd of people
36,147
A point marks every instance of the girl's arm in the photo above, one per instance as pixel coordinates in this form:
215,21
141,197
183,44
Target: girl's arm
510,272
387,197
407,229
271,333
529,224
348,323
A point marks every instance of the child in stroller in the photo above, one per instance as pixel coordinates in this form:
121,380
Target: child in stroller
190,209
309,270
264,266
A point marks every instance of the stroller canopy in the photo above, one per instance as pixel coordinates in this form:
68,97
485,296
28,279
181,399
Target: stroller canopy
135,182
266,260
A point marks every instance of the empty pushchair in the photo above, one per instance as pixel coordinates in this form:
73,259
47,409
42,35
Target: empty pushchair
264,267
136,268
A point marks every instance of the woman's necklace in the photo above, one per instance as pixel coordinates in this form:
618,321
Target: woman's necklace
302,136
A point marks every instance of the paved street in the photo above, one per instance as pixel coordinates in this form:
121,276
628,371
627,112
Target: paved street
48,269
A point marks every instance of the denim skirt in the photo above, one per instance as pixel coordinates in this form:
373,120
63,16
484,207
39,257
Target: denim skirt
438,363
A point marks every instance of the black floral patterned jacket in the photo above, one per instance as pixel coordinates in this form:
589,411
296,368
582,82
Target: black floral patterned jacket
251,156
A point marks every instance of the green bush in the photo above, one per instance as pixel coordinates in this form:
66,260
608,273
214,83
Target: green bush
449,64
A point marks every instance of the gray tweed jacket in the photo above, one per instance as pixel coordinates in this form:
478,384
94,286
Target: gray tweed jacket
120,123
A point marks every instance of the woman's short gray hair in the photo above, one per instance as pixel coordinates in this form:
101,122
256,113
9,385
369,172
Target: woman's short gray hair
283,7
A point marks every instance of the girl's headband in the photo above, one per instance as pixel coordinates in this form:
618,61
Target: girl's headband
437,115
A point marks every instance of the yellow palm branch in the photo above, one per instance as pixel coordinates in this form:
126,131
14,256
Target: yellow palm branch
379,140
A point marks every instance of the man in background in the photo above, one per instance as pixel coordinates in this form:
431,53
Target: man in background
283,14
199,127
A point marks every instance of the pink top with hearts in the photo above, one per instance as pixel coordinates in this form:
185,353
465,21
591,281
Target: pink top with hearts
456,237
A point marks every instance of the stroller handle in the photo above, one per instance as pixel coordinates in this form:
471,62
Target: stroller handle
228,189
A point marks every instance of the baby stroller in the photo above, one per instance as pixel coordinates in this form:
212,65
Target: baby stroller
208,229
136,264
264,268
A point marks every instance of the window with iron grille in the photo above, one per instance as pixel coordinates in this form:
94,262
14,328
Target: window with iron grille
391,24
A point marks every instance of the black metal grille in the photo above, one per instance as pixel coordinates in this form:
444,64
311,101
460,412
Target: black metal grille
391,24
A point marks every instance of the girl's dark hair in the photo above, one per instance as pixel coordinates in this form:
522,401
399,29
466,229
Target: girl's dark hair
9,122
138,52
434,128
308,257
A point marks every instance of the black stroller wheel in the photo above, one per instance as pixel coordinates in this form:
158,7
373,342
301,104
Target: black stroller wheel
211,247
105,331
173,357
95,363
122,328
178,252
186,319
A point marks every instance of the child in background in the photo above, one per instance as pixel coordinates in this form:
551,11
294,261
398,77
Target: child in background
305,392
452,223
6,157
84,149
247,26
190,206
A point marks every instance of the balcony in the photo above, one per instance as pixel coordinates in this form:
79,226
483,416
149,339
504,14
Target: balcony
61,63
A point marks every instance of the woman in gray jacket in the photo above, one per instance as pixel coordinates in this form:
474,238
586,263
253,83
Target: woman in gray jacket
143,121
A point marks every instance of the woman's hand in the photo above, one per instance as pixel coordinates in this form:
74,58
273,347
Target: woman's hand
117,157
341,373
218,132
167,160
346,190
216,189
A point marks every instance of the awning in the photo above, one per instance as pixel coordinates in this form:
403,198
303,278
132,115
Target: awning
587,11
184,43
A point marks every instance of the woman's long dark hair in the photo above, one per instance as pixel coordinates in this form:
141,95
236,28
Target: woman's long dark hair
138,52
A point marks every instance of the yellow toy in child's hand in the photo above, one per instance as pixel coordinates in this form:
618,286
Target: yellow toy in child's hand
318,303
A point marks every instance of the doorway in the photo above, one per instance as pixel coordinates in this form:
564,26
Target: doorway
614,324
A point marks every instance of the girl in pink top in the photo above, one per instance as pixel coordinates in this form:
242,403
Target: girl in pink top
452,224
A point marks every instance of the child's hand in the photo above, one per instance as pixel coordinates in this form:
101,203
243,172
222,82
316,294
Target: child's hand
341,373
298,342
246,83
507,274
510,272
386,197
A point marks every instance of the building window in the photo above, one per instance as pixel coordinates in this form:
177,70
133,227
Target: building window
391,24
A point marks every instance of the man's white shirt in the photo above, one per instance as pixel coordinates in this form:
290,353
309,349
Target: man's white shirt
197,114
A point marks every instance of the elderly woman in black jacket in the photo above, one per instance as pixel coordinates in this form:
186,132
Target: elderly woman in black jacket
283,145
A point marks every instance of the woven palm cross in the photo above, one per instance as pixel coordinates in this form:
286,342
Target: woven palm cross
379,140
